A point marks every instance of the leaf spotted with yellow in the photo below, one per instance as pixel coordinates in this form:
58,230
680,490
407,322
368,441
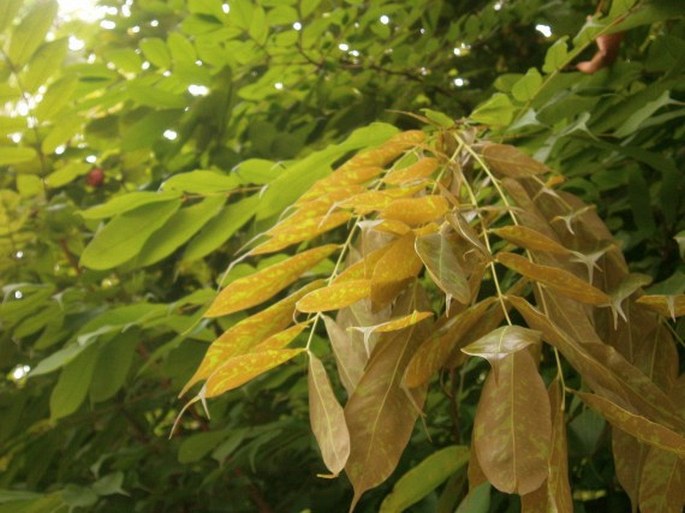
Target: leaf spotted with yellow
258,287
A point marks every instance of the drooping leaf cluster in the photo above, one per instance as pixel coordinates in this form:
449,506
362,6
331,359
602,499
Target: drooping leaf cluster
430,222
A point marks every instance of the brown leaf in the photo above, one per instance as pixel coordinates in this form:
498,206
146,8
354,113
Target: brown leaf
558,486
442,264
560,280
381,413
512,428
629,459
502,342
604,369
327,418
669,306
536,501
662,488
638,426
506,160
533,240
350,356
435,351
262,285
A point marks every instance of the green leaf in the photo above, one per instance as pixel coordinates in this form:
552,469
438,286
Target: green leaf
201,182
16,155
67,174
637,119
438,118
125,235
31,31
29,185
7,14
156,51
113,363
73,383
149,129
197,446
127,202
424,478
59,94
110,484
180,227
182,50
556,56
44,64
498,111
221,228
155,96
477,500
61,133
259,28
527,87
257,171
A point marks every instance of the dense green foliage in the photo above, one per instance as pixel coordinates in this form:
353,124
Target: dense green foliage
140,156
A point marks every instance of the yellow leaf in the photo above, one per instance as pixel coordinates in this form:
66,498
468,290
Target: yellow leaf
335,296
558,279
262,285
368,201
386,152
280,340
363,269
249,332
416,211
394,227
392,325
292,231
416,172
533,240
397,265
240,369
366,165
671,306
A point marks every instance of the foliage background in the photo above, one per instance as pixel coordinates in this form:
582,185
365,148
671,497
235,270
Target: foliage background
173,87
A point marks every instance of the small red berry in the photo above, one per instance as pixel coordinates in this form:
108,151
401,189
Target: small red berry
96,177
